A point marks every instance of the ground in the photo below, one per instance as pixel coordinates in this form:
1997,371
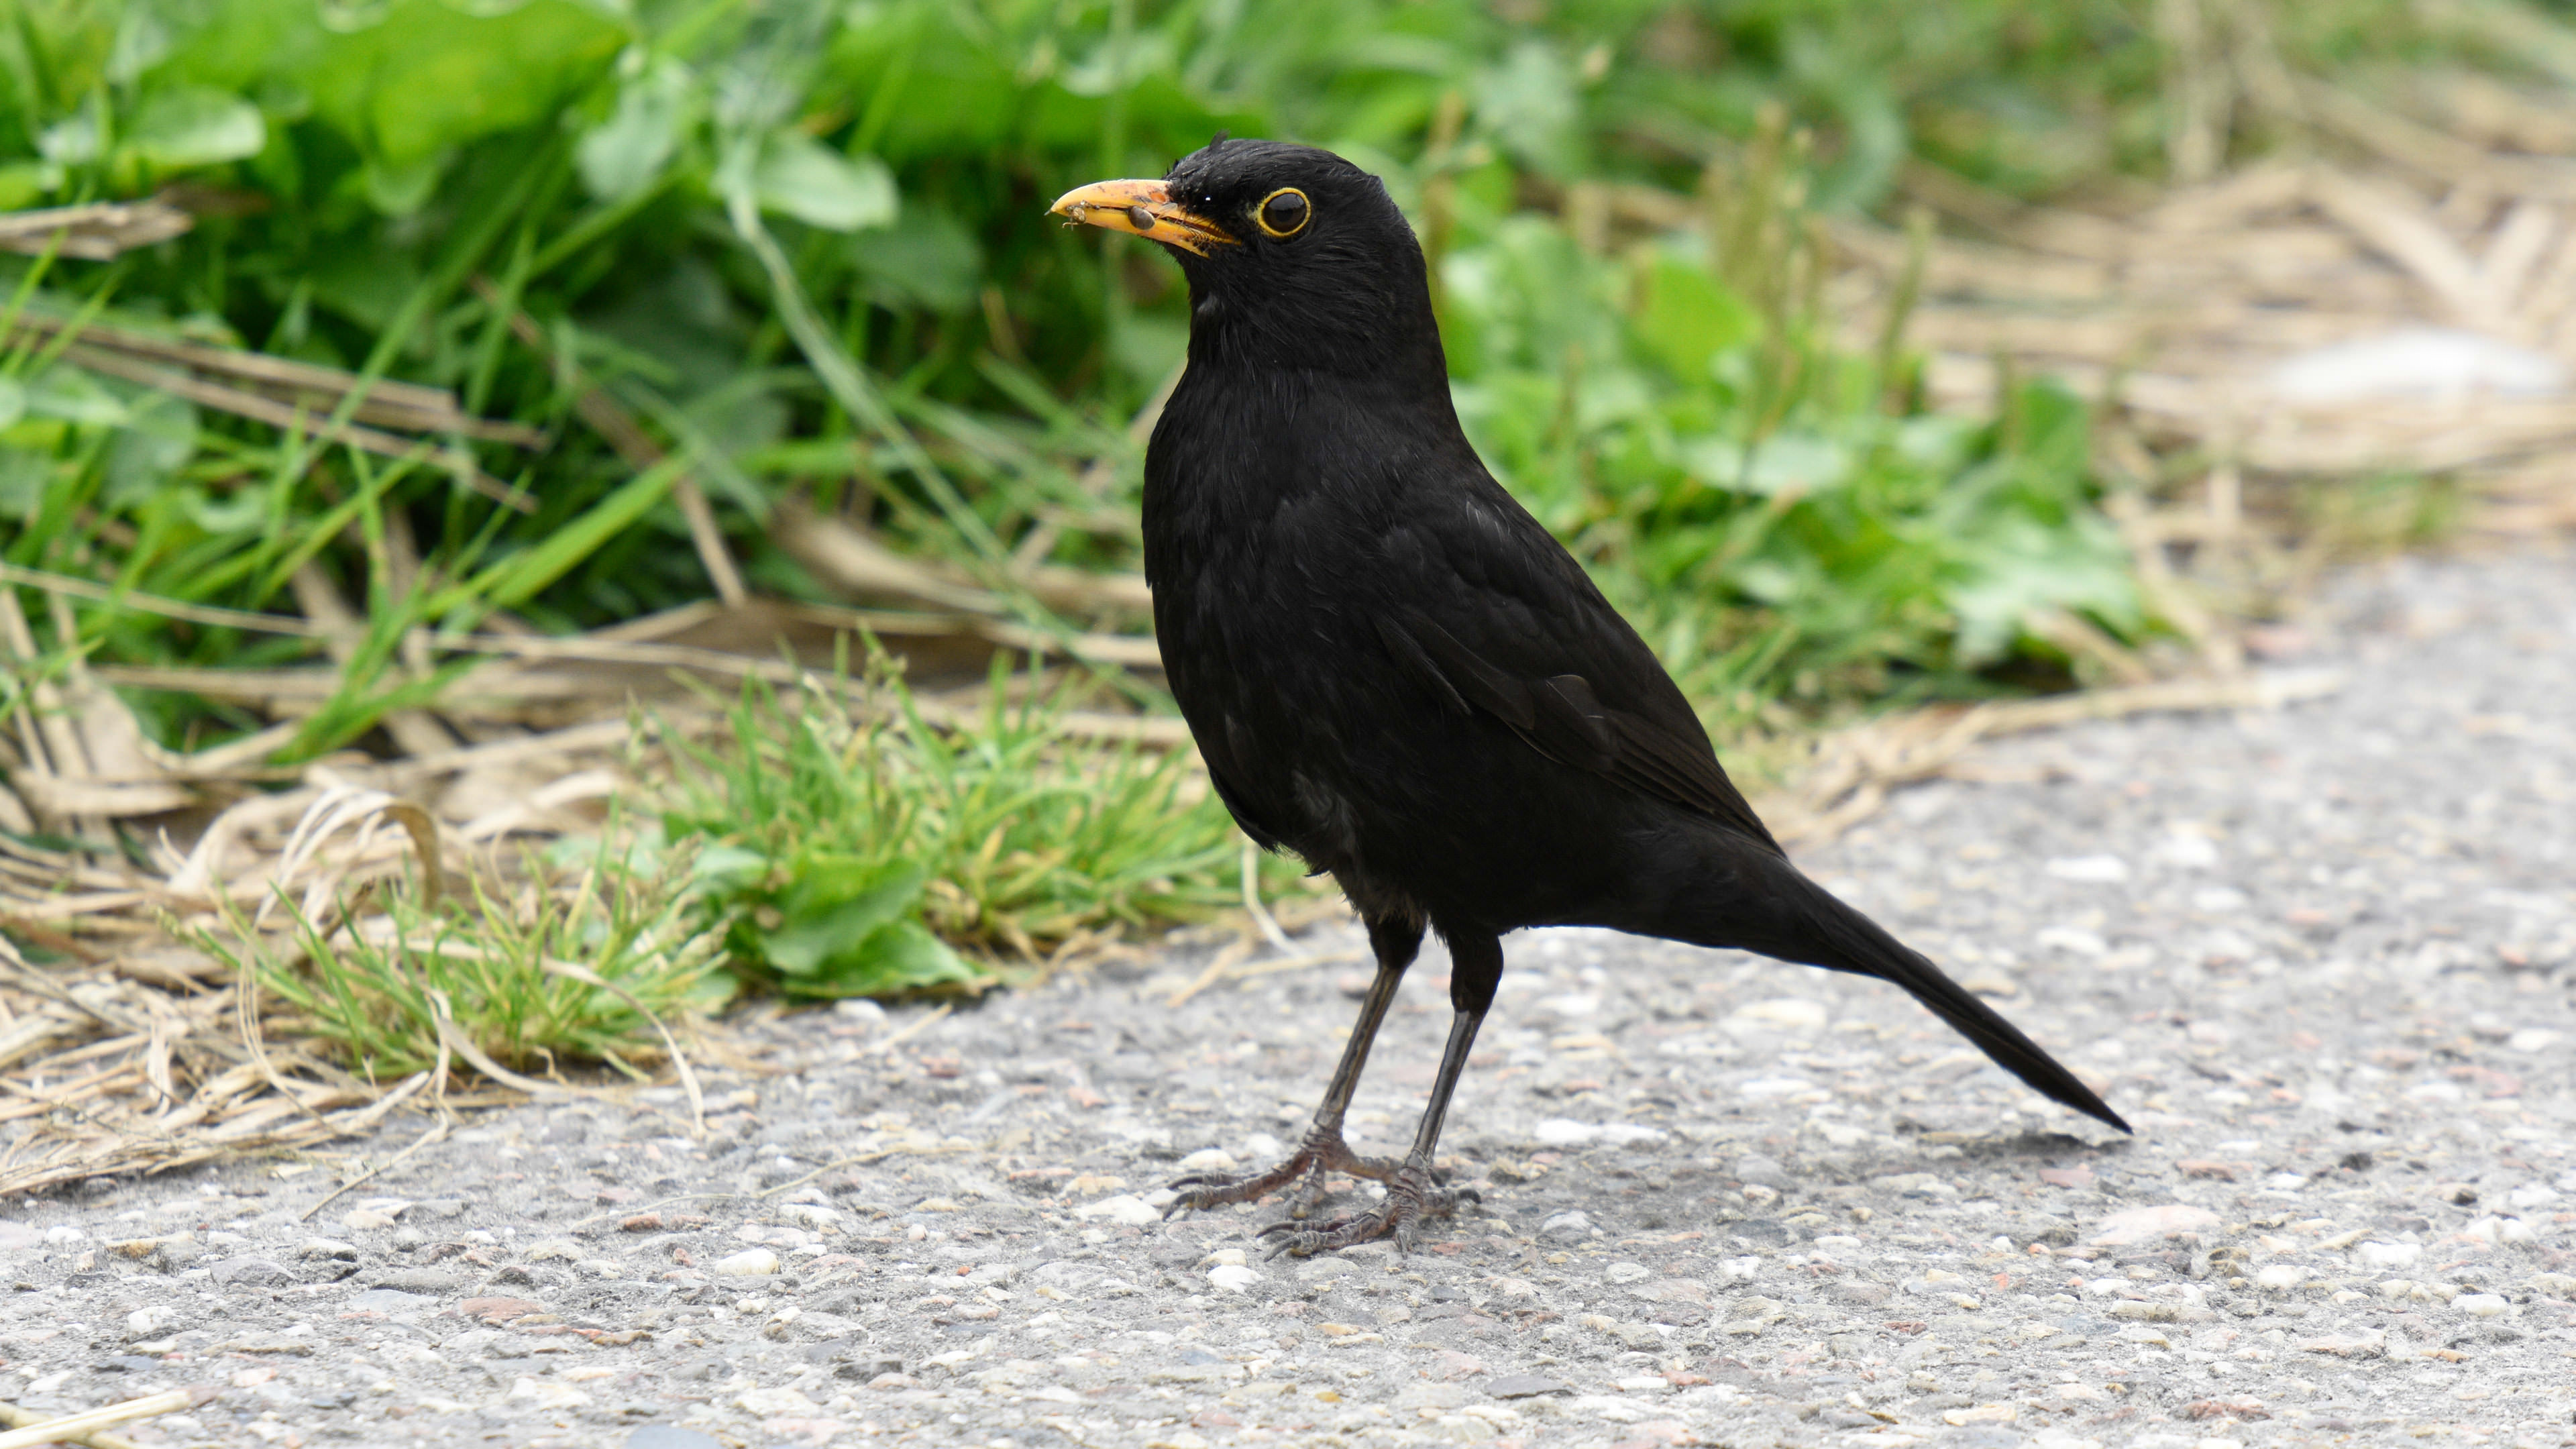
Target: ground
2322,958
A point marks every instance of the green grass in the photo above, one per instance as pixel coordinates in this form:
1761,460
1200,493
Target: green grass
573,961
855,844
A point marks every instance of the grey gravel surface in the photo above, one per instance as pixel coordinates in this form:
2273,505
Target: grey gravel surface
2323,958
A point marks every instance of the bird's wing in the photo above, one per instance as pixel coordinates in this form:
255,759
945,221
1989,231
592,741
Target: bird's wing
1517,631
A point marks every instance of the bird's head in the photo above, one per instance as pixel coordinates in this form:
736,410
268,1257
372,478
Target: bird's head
1294,256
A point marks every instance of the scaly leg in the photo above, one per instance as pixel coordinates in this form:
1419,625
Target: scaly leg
1414,1194
1323,1149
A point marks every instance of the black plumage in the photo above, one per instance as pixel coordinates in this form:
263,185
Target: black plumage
1393,671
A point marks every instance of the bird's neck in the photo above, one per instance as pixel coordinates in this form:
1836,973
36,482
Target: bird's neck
1388,347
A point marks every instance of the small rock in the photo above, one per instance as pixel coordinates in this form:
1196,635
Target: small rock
1627,1272
1782,1013
771,1403
1524,1386
1233,1277
366,1220
1566,1227
752,1263
63,1233
2090,869
546,1394
2481,1305
442,1207
331,1248
1208,1159
2144,1224
2280,1276
145,1322
551,1248
1125,1209
253,1271
1761,1171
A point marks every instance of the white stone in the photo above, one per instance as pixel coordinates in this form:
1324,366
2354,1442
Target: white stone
1627,1272
1208,1159
2090,869
750,1263
2531,1040
2481,1305
2073,940
1565,1132
1780,1013
2387,1255
1233,1277
547,1394
145,1322
1125,1209
775,1403
2279,1276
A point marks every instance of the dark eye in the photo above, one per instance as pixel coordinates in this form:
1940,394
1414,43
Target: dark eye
1283,213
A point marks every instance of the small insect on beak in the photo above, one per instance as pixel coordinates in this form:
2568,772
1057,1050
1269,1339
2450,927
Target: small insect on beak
1142,208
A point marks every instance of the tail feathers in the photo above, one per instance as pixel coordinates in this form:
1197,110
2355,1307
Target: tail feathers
1854,942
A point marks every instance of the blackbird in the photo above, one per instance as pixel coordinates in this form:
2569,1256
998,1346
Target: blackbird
1395,672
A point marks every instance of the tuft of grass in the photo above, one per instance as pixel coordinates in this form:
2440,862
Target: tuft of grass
854,844
576,961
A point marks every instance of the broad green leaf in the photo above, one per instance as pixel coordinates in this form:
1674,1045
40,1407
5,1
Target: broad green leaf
834,906
197,126
13,401
158,438
801,177
628,151
1685,317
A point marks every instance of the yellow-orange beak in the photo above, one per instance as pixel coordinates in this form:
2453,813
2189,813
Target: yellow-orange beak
1142,208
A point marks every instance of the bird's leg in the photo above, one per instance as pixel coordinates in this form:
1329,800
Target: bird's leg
1322,1150
1413,1190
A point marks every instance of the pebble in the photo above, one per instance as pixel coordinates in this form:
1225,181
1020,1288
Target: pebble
750,1263
1566,1227
1124,1208
2482,1305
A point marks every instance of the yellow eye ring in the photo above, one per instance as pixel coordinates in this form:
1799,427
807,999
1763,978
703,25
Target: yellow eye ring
1283,213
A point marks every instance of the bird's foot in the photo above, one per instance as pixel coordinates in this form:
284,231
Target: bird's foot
1321,1152
1413,1196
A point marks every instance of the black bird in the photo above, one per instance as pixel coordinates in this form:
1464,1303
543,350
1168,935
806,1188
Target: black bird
1395,672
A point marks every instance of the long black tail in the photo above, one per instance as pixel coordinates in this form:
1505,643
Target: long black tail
1849,941
1770,907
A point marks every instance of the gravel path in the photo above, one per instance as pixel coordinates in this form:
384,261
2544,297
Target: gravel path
2322,958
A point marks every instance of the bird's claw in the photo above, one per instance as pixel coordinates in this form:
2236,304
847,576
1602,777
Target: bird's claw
1323,1151
1413,1196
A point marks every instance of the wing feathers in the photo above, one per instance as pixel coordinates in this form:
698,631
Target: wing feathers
1563,719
